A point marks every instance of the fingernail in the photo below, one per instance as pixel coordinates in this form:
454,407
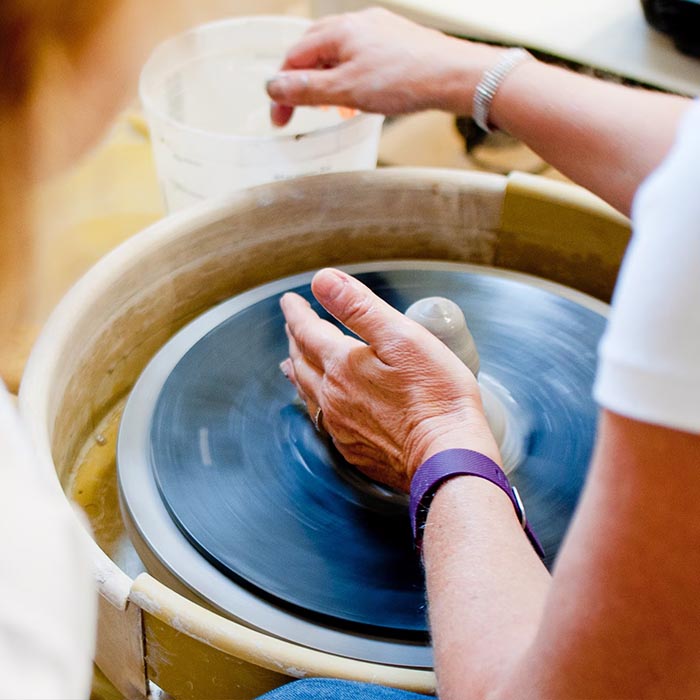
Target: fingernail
275,85
286,367
284,301
329,283
292,298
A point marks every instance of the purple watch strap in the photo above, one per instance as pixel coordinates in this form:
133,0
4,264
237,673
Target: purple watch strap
456,462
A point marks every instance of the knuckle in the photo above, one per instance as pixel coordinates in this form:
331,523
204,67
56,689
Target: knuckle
346,23
377,14
298,88
336,381
333,370
355,308
406,343
412,334
373,11
359,364
332,83
355,93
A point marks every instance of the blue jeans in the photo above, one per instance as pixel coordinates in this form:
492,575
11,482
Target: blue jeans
331,689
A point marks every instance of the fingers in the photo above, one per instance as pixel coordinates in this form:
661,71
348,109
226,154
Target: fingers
298,368
315,49
280,114
361,311
316,339
303,78
308,87
294,88
306,377
313,407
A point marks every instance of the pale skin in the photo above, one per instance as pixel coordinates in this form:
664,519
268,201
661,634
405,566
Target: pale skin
622,609
620,616
603,136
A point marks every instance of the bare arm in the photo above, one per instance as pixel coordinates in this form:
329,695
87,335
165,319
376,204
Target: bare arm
486,587
387,415
603,136
622,615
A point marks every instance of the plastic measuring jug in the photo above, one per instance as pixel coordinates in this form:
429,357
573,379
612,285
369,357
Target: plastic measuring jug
203,94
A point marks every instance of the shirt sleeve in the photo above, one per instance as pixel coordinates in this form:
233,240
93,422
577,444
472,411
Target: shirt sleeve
649,356
47,592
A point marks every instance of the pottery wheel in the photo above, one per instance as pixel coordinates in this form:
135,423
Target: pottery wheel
230,486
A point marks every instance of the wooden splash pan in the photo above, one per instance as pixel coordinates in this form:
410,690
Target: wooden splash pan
106,329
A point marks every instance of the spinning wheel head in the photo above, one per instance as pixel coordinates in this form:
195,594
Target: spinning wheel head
225,478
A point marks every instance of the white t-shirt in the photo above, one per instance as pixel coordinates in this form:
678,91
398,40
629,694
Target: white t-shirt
649,366
47,594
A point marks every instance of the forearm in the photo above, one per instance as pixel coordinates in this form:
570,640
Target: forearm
622,617
486,587
603,136
619,618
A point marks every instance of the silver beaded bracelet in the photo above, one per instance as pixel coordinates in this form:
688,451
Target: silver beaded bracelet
490,82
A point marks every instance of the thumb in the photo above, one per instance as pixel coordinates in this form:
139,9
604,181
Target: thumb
361,311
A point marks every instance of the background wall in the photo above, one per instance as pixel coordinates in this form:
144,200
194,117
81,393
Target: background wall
110,194
196,11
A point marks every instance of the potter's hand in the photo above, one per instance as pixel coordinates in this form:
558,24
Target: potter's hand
388,404
378,62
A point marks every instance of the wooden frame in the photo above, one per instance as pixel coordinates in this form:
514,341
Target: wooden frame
106,329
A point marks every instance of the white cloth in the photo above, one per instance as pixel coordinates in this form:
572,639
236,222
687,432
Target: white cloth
649,365
47,595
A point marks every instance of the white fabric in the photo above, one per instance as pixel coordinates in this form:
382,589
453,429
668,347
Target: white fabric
650,354
47,596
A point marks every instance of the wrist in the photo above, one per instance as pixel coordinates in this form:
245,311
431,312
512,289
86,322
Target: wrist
446,465
464,67
491,82
515,92
471,433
